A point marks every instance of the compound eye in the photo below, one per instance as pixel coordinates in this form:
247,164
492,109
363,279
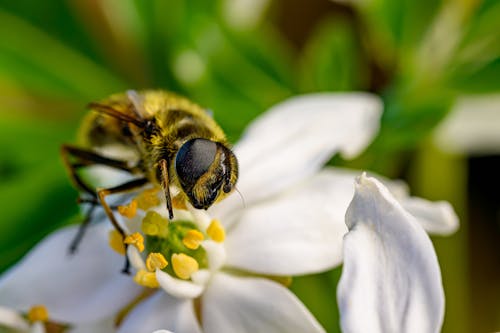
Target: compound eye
194,159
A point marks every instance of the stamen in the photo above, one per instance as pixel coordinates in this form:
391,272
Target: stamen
192,239
129,210
38,313
184,265
156,261
115,240
154,224
148,198
179,203
136,240
216,231
146,279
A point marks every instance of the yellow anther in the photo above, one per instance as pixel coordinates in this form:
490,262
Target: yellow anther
178,202
153,224
136,240
38,313
192,239
129,210
146,279
156,261
216,231
184,265
148,198
115,240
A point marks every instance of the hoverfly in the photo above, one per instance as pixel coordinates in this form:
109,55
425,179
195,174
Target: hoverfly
173,142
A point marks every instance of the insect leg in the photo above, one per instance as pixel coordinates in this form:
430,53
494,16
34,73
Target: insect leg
81,230
102,193
166,187
87,158
84,158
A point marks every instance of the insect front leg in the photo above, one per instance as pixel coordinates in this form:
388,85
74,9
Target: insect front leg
102,193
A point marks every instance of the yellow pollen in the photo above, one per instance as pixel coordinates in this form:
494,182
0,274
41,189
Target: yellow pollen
192,239
153,224
115,240
178,202
148,198
129,210
38,313
216,231
146,279
184,265
156,261
136,240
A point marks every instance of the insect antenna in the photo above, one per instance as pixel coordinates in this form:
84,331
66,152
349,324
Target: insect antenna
115,113
241,196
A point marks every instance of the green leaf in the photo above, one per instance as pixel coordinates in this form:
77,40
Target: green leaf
333,59
411,112
397,26
41,63
476,65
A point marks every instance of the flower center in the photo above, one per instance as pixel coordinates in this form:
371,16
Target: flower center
160,241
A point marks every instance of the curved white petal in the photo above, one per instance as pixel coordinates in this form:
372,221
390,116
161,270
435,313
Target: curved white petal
12,319
135,258
161,312
295,138
391,280
86,286
177,287
242,304
298,233
435,217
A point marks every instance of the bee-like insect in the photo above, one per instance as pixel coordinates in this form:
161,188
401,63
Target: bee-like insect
172,142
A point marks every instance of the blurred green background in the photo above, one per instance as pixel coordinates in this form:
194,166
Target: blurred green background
239,57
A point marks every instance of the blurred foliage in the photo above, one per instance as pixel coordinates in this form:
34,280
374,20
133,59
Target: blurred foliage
57,56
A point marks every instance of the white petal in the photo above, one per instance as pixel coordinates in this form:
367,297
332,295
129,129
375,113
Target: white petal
242,304
295,138
12,319
391,280
472,127
177,287
216,254
201,276
135,258
300,232
76,288
435,217
161,312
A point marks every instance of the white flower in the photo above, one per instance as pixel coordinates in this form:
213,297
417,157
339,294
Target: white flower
390,280
291,223
12,319
35,320
472,126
